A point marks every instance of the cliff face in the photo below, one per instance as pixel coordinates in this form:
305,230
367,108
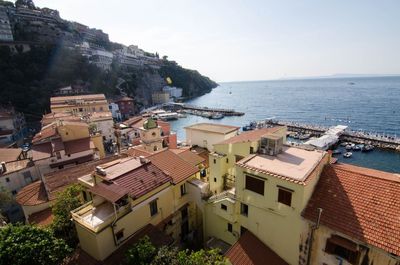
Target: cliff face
28,77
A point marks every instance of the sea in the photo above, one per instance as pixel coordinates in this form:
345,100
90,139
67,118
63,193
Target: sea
369,104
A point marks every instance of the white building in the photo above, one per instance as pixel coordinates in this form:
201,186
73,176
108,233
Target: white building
116,114
5,27
102,59
127,57
174,92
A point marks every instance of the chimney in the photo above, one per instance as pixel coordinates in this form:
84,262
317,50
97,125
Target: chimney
3,166
101,171
142,160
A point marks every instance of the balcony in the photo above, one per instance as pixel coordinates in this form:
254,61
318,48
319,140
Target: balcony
97,217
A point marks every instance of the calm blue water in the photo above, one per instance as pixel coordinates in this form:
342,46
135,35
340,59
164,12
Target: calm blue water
371,104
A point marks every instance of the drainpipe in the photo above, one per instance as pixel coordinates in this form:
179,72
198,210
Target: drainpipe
313,228
113,224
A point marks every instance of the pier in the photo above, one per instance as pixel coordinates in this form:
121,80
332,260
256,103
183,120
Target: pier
381,141
183,106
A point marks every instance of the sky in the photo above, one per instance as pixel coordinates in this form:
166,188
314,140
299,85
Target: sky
233,40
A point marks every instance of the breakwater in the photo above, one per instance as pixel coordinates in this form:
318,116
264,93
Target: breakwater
378,140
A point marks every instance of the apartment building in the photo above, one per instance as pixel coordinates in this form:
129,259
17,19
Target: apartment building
131,193
12,127
79,104
5,26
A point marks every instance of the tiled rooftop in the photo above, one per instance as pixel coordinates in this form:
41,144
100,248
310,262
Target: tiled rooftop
249,250
361,203
191,157
294,164
174,166
33,194
213,128
79,145
82,97
9,154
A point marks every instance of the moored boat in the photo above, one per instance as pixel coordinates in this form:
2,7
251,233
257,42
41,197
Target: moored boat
367,148
347,154
217,116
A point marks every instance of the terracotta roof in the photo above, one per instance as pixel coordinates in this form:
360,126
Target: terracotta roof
33,194
109,191
191,157
42,218
9,154
361,203
76,146
213,128
136,152
46,132
83,97
251,136
41,151
174,166
156,236
249,250
78,160
133,120
142,180
58,180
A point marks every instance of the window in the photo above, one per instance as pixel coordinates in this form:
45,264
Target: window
153,208
242,230
227,160
183,189
101,108
119,235
342,247
224,207
244,209
251,150
154,134
8,179
80,109
27,177
285,196
58,154
93,109
215,161
230,227
14,192
215,179
254,184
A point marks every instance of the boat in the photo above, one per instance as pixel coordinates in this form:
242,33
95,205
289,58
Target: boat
358,147
344,144
217,116
181,115
351,83
336,152
349,147
347,154
367,148
296,136
304,136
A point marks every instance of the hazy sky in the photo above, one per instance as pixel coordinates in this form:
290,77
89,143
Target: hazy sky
231,40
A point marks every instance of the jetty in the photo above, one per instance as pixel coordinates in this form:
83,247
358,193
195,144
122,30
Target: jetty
377,140
192,109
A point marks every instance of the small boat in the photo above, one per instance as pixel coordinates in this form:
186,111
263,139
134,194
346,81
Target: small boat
296,136
349,147
347,154
344,144
351,83
304,136
357,147
217,116
336,152
367,148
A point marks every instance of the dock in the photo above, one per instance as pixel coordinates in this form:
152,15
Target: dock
197,110
381,141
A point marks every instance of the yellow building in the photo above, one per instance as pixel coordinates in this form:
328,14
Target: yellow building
207,134
131,193
160,97
270,189
79,104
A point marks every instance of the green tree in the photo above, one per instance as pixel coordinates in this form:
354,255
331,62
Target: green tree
142,253
25,244
67,200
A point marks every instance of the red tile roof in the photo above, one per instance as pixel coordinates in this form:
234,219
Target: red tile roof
42,218
136,152
33,194
191,157
58,180
76,146
109,191
142,180
213,128
133,121
361,203
174,166
10,154
251,136
46,132
249,250
41,151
